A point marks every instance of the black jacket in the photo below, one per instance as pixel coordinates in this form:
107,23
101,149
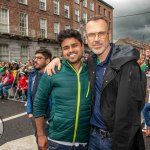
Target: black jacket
122,97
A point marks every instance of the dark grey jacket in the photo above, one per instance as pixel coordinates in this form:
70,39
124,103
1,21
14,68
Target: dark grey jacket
122,97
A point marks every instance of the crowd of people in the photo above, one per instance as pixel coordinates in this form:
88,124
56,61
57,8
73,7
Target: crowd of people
15,75
92,102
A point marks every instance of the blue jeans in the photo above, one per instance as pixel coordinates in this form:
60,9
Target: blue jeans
98,142
55,146
5,89
146,114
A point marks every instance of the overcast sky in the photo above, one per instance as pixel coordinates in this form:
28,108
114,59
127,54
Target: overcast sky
136,26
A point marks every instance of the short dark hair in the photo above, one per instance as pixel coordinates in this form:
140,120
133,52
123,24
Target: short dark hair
87,52
45,52
98,17
69,33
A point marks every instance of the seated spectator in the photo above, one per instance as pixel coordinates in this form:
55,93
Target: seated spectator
146,113
6,83
22,86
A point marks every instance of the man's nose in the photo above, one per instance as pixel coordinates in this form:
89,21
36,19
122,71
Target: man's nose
96,37
70,49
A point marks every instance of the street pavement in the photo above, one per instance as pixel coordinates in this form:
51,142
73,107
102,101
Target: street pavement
18,131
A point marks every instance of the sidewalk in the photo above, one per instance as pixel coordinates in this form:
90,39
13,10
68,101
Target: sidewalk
25,143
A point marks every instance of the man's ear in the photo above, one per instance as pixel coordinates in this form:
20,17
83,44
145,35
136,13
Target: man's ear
48,61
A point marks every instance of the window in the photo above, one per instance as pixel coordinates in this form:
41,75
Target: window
23,24
76,1
92,6
56,7
109,15
42,4
99,9
84,18
56,52
77,18
4,20
104,12
85,3
23,1
24,53
56,30
4,52
67,27
67,11
43,28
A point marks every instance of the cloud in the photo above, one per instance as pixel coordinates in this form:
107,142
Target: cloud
135,26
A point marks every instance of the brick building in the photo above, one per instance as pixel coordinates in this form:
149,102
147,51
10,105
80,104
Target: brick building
141,46
27,25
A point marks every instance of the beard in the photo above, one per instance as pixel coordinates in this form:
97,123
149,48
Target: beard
100,50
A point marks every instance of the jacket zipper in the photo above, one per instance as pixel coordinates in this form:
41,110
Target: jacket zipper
78,103
87,93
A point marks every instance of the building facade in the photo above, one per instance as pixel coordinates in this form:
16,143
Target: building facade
27,25
141,46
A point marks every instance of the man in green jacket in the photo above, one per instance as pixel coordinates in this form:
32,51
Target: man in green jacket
70,92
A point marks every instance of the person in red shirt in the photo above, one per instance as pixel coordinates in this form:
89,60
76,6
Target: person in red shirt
22,85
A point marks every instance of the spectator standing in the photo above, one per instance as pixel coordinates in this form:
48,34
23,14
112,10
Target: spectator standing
41,59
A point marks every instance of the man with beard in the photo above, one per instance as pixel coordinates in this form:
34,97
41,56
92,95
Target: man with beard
69,120
41,59
118,90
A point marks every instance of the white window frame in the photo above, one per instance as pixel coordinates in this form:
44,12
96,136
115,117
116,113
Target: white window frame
43,28
24,53
4,20
22,2
24,30
67,9
67,27
85,17
4,52
76,1
56,30
42,5
56,7
77,15
85,3
92,6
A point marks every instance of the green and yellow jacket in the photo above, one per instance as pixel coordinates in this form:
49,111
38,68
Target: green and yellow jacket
71,103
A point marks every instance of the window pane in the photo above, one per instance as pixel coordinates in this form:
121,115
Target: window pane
4,20
43,28
42,4
56,7
4,52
